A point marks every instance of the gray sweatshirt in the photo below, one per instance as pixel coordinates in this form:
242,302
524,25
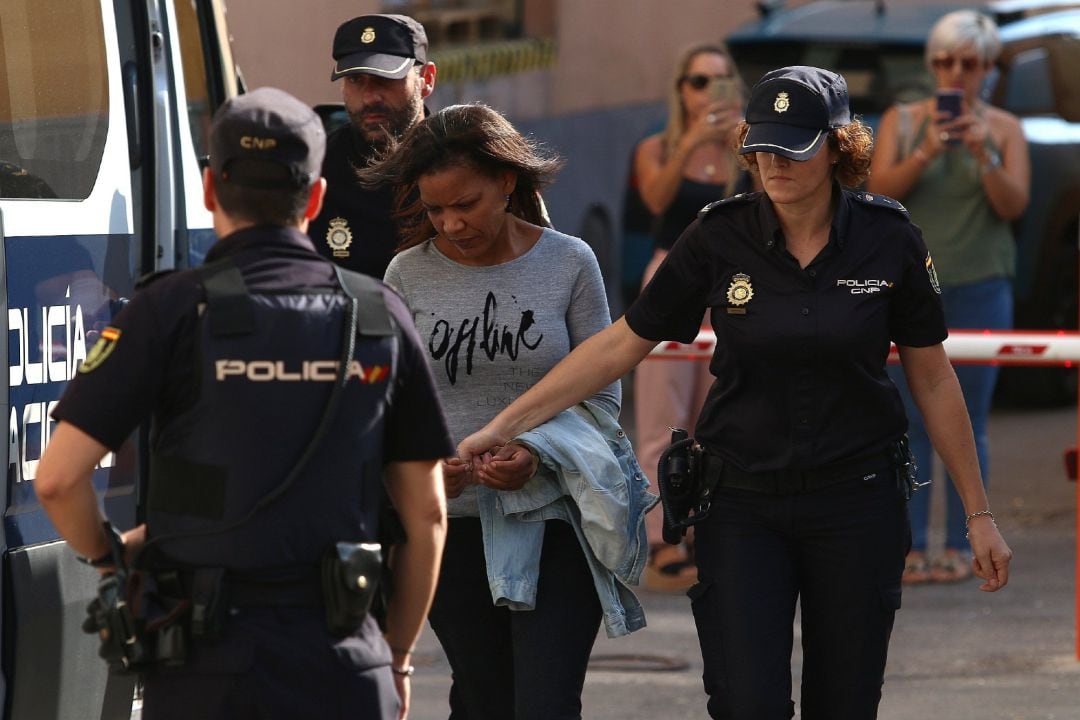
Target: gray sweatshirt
492,332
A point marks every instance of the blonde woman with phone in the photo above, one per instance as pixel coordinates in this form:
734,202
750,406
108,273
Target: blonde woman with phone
961,167
680,170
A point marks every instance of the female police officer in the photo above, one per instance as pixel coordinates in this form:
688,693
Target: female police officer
807,283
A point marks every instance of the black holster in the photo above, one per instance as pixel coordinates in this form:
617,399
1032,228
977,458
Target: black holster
350,581
907,470
686,498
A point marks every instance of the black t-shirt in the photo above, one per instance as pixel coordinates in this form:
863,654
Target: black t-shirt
355,228
151,367
800,352
690,197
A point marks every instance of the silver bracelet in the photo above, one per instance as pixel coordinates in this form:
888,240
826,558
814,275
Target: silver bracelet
404,670
967,520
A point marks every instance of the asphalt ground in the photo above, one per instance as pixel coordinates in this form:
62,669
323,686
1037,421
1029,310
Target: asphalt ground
956,652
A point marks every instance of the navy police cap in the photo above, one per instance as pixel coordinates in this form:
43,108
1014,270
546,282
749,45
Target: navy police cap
266,138
792,110
383,45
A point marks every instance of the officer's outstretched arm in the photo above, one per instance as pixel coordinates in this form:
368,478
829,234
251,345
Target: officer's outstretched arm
416,489
594,364
65,489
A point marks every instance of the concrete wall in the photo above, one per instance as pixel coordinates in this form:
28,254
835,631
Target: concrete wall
286,43
611,52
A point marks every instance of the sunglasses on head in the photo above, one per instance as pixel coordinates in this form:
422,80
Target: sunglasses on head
948,62
699,82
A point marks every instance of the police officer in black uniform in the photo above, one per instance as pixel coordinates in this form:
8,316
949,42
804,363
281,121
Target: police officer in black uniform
806,283
279,393
385,75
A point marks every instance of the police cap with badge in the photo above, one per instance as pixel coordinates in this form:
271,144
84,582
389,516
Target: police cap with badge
266,139
792,110
387,46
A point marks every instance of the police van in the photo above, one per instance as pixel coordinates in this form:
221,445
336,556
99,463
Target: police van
104,110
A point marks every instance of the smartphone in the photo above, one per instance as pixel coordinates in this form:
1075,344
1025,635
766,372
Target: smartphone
950,101
724,89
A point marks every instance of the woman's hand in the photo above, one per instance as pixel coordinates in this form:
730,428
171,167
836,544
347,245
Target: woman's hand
457,474
508,469
716,123
991,554
972,131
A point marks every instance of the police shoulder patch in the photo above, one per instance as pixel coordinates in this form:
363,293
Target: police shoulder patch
879,201
732,201
101,350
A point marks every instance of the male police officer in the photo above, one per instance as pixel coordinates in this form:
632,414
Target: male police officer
268,445
382,62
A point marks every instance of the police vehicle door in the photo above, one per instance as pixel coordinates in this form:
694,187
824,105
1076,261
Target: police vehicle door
103,110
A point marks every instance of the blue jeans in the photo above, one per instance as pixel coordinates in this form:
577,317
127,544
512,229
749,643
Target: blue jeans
987,304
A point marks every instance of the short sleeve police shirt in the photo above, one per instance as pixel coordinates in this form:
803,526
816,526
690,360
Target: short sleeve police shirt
355,228
800,353
149,367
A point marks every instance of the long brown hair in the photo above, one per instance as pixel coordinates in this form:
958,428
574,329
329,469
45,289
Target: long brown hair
471,135
676,120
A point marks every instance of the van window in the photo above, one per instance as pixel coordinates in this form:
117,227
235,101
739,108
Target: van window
54,98
193,58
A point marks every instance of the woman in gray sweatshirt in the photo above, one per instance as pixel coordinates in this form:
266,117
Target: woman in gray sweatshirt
499,297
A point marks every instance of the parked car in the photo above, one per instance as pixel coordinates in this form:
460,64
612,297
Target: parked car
879,50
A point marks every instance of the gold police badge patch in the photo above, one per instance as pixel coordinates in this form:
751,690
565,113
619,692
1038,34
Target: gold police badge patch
101,351
782,103
339,237
368,36
740,291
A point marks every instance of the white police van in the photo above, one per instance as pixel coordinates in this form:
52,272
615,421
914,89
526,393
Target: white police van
104,107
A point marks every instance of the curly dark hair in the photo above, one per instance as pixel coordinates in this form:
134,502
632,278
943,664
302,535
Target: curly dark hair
853,143
472,135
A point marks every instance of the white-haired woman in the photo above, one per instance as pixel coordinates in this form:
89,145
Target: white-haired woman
963,179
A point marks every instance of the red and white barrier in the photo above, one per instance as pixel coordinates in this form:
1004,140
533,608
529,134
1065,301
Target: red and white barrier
977,347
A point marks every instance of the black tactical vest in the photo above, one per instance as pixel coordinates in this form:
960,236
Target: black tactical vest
267,365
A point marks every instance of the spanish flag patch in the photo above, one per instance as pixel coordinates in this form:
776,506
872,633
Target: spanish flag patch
101,350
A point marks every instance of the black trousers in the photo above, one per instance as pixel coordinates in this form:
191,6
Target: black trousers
278,664
515,665
839,551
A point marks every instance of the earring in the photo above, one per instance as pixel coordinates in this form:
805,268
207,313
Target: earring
509,207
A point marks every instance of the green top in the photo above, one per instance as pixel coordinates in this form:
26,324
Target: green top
966,238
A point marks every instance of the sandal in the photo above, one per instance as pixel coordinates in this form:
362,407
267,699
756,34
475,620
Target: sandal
953,566
916,569
670,569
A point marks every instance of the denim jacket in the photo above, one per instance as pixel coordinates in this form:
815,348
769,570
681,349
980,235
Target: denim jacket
590,478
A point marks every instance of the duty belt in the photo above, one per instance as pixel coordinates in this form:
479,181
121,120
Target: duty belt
719,473
246,592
